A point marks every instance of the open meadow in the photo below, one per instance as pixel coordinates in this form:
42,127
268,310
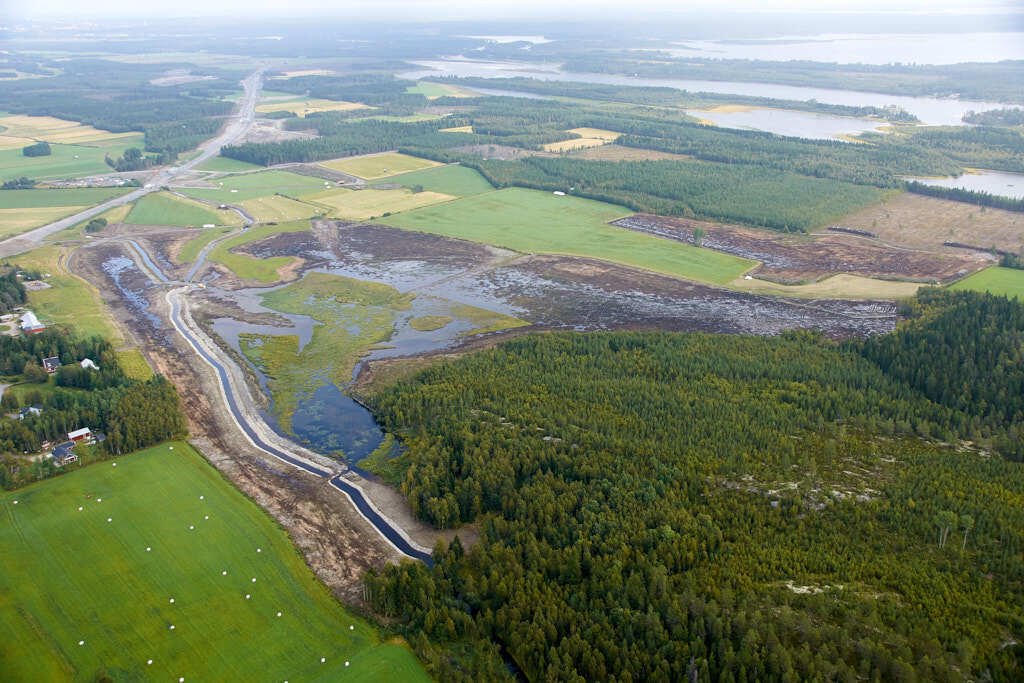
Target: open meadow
248,267
76,149
535,221
303,106
278,208
375,166
153,567
361,205
841,286
459,181
226,165
162,208
996,280
70,301
243,186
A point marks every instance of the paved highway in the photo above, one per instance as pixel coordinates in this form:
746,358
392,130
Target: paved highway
237,126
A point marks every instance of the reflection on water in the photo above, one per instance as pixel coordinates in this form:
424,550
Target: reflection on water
331,421
799,124
993,182
930,110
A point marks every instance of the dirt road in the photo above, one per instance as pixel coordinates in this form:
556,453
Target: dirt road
236,127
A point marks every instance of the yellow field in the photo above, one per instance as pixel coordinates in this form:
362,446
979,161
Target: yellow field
276,208
14,221
379,165
599,133
838,286
728,109
10,142
575,143
310,106
51,129
457,129
361,205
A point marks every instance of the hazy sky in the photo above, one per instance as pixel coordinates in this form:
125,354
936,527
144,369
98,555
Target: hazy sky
476,9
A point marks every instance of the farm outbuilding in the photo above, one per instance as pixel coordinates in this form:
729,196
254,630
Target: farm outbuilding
30,323
83,434
87,364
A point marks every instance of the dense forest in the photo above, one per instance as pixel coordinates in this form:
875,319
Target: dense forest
996,117
659,506
958,194
12,292
132,414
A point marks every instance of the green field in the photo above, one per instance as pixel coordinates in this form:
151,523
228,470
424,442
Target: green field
190,250
161,208
70,302
61,163
997,280
535,221
261,184
378,165
247,267
459,181
226,165
88,196
361,205
81,596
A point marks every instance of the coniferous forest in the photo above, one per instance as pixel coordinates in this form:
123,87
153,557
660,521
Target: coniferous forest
657,506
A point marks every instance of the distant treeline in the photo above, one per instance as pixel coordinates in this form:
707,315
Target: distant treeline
999,81
672,97
968,196
1009,116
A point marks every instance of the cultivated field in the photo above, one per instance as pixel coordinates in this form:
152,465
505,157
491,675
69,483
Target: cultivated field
158,569
452,179
161,208
589,137
64,161
434,90
360,205
309,106
243,186
226,165
53,129
534,221
24,199
15,221
278,208
1005,281
456,129
378,165
920,221
836,287
134,364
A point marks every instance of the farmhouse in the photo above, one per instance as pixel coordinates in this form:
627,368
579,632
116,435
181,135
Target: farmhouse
29,411
30,323
63,454
51,364
87,364
83,434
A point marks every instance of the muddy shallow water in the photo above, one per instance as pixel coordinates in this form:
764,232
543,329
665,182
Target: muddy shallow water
549,292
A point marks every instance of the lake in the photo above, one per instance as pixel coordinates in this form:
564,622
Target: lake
931,110
788,122
858,48
993,182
